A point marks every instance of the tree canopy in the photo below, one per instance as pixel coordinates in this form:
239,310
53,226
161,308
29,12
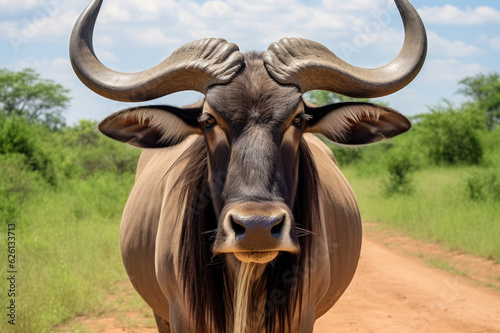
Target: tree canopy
24,94
484,91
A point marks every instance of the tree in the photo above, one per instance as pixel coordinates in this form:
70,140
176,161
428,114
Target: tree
484,90
24,94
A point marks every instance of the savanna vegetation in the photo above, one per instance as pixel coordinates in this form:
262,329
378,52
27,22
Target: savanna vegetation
440,181
64,188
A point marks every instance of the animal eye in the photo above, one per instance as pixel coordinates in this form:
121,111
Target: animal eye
211,122
297,121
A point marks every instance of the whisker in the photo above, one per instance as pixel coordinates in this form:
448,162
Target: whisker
217,260
209,231
212,232
301,232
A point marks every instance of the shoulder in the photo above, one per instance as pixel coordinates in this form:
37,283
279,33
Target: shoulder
319,149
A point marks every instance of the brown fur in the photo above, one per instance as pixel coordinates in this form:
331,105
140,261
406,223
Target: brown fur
250,148
205,279
256,154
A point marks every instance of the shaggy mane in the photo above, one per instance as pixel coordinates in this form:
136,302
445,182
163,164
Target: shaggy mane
206,280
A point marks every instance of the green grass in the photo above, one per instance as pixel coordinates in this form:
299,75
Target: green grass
123,305
68,250
438,210
67,226
444,265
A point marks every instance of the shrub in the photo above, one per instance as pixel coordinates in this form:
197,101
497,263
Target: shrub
17,184
450,136
33,141
344,155
484,185
400,169
93,152
15,136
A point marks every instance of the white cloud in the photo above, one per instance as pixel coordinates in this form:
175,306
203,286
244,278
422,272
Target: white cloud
452,15
449,70
133,10
57,69
253,25
38,25
358,5
153,37
115,13
216,8
444,47
18,5
105,55
495,43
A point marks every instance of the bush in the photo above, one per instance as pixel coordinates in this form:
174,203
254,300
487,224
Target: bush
346,155
400,169
17,184
491,148
450,136
34,142
93,152
484,185
15,136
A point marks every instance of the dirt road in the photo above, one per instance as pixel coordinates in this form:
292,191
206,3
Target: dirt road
391,292
395,293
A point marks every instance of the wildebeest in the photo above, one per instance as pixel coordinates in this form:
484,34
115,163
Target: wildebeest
239,219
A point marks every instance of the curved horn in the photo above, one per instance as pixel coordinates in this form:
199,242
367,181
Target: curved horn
194,66
310,65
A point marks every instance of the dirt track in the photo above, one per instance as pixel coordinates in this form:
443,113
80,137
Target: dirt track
391,292
395,293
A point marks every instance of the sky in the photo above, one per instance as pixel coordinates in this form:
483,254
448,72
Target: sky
133,35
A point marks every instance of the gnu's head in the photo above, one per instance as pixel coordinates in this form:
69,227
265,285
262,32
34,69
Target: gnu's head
252,118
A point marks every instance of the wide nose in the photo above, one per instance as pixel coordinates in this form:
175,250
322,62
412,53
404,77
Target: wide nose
256,227
257,232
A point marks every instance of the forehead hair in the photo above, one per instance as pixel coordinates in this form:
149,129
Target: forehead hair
253,97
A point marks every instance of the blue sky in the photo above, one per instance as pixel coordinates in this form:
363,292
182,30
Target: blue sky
132,35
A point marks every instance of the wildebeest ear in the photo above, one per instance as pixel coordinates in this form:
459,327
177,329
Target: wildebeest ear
356,123
152,126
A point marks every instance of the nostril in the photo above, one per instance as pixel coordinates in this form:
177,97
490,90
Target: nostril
277,229
238,228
